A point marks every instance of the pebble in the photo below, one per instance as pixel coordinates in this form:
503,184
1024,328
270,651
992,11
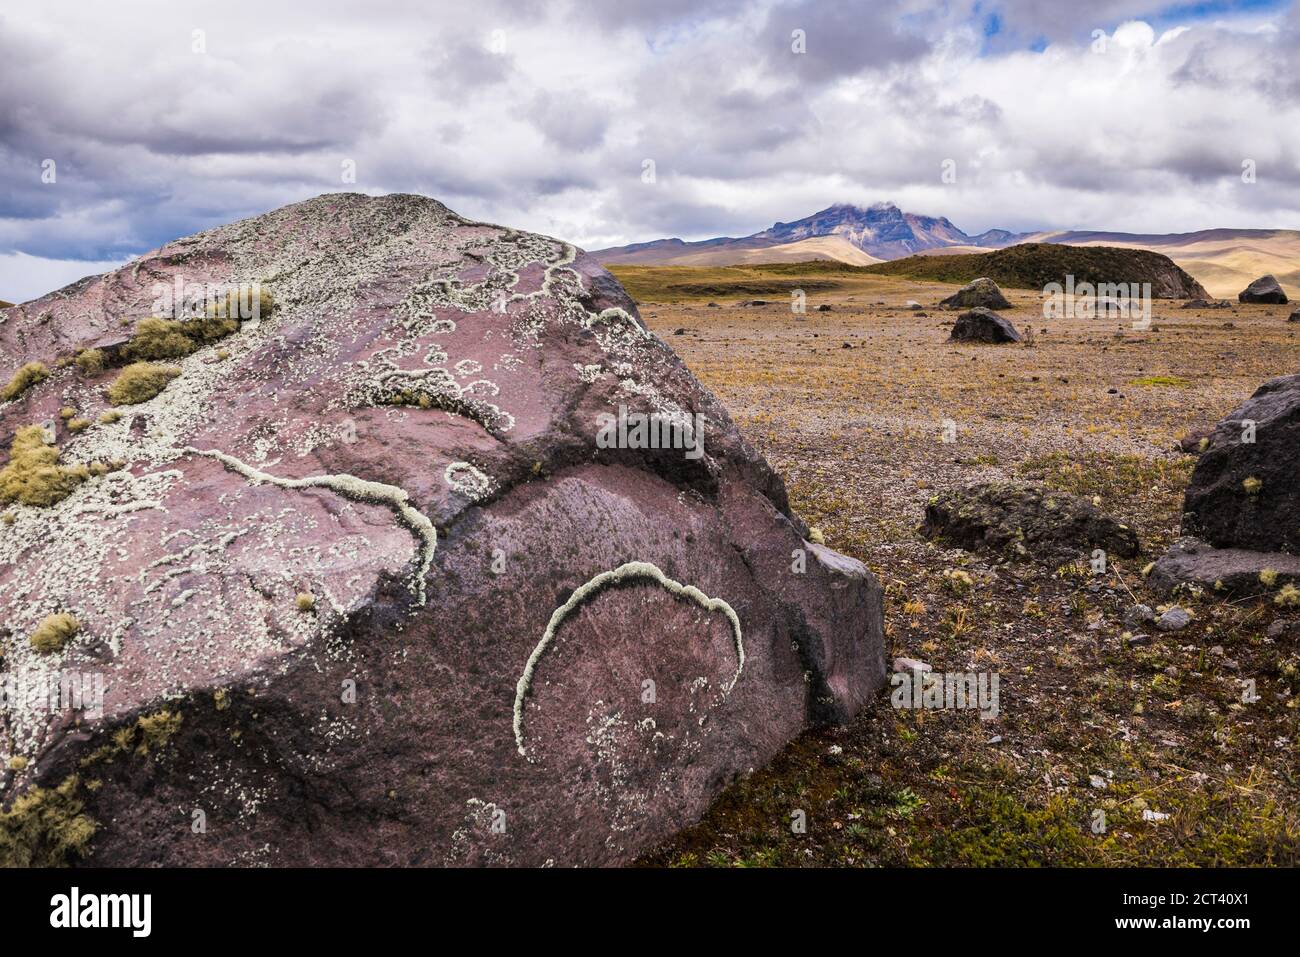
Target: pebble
1139,615
1175,619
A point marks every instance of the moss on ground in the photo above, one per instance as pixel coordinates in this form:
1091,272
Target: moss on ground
46,827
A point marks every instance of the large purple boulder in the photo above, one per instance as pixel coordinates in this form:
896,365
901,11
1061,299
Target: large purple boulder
387,574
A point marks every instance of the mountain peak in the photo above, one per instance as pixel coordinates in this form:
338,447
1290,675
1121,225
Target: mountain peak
881,230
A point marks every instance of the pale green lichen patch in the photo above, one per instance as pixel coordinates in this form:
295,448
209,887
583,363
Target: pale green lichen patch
352,487
629,571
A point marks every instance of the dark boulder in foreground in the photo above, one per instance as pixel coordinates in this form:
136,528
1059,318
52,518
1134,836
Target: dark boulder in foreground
361,581
983,325
980,292
1244,493
1025,522
1265,289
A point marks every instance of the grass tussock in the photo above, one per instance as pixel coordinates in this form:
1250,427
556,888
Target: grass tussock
156,338
140,382
91,362
46,827
34,475
26,377
52,634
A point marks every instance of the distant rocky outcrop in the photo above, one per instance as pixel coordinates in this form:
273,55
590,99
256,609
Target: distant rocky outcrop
982,292
1037,265
1025,522
983,325
1265,289
361,580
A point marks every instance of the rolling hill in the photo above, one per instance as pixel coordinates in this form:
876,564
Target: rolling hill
1034,265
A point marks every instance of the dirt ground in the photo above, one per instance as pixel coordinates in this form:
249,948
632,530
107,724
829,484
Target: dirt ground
1105,751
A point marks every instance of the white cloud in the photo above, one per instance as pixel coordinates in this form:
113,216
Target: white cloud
24,277
541,115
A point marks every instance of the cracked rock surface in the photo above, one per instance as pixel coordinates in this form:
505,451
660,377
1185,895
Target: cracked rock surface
316,575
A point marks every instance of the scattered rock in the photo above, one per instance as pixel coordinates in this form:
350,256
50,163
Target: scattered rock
1027,522
908,665
1174,619
1138,615
1227,571
1294,317
823,308
913,305
1196,441
978,293
1265,289
983,325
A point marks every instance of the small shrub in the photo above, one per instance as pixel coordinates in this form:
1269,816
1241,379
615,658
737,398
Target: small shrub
54,632
957,581
1252,485
305,601
78,425
109,416
67,412
140,382
1287,597
34,475
24,379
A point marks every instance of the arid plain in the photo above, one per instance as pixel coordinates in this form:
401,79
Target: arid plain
1108,749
